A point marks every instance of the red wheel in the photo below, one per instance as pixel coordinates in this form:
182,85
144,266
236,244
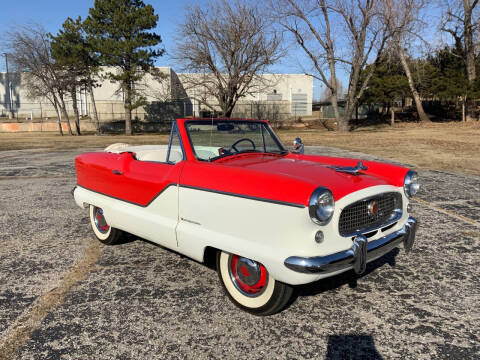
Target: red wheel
248,276
249,285
104,232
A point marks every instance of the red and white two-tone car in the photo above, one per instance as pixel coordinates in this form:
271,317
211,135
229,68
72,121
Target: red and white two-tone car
273,218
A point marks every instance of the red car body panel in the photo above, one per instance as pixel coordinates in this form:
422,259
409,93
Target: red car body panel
289,179
137,182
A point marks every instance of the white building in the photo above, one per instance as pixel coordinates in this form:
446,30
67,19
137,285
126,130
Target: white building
291,94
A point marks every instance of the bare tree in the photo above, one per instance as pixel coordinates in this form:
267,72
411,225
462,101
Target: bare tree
403,19
461,20
337,36
30,51
227,47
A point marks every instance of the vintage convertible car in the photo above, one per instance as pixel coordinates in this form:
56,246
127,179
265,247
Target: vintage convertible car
229,188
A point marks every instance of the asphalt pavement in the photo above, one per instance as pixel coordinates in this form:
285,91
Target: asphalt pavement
63,296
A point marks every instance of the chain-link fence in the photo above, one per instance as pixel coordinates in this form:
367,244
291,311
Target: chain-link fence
154,116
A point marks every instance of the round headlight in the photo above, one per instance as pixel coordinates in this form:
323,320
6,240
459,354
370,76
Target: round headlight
411,185
321,206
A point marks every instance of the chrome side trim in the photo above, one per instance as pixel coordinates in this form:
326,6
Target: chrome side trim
358,255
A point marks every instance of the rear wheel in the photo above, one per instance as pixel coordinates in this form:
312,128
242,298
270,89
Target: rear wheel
249,285
104,232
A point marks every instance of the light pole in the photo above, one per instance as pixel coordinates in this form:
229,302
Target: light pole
8,87
194,101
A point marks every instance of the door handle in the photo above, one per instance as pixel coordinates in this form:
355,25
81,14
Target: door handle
117,172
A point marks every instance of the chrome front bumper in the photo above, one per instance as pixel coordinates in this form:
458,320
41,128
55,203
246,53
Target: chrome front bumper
361,252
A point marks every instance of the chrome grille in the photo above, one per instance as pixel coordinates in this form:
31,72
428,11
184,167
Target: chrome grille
357,217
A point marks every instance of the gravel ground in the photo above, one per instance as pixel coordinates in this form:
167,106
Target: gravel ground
142,301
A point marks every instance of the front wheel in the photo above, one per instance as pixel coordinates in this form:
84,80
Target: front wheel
249,285
104,232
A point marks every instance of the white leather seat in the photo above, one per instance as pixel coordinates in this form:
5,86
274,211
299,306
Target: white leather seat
175,156
152,155
157,153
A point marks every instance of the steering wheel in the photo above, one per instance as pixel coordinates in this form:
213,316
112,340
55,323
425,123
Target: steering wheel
239,141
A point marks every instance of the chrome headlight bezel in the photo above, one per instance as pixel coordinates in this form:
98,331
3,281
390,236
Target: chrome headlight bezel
411,184
321,206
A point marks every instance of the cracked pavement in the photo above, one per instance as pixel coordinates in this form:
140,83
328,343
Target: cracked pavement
143,301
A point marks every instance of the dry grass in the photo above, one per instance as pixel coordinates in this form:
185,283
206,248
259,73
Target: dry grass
53,141
449,146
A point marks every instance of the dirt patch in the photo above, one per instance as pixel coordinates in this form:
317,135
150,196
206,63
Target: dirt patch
29,322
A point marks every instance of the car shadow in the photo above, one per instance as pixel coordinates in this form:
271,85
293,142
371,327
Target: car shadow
352,347
127,238
348,277
310,289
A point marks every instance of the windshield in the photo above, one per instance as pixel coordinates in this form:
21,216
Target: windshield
221,138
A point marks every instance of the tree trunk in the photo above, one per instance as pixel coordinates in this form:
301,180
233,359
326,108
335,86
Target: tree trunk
75,110
392,118
347,116
342,123
416,97
63,108
470,55
94,107
228,113
128,121
128,108
59,116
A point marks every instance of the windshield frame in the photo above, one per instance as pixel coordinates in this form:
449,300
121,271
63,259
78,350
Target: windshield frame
264,126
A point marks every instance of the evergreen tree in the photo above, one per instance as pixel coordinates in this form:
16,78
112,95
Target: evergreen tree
72,51
120,32
387,84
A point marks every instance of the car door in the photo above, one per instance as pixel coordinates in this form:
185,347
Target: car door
150,206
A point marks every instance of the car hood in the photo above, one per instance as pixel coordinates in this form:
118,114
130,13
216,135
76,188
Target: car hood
308,172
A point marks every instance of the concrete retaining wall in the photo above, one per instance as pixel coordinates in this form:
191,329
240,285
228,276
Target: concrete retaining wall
45,126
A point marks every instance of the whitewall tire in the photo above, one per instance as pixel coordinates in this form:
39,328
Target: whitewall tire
104,232
249,285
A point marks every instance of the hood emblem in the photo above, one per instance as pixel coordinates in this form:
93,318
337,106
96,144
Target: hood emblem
350,169
372,208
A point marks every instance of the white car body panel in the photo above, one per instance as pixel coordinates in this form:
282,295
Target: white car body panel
188,220
155,222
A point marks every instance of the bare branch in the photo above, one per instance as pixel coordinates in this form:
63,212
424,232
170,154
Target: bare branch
227,47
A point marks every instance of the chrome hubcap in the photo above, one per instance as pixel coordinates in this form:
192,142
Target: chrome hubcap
248,271
100,221
248,276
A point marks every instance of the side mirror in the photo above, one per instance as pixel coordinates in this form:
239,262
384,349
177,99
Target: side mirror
298,146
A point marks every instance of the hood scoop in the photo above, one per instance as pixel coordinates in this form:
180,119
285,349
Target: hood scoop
350,169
